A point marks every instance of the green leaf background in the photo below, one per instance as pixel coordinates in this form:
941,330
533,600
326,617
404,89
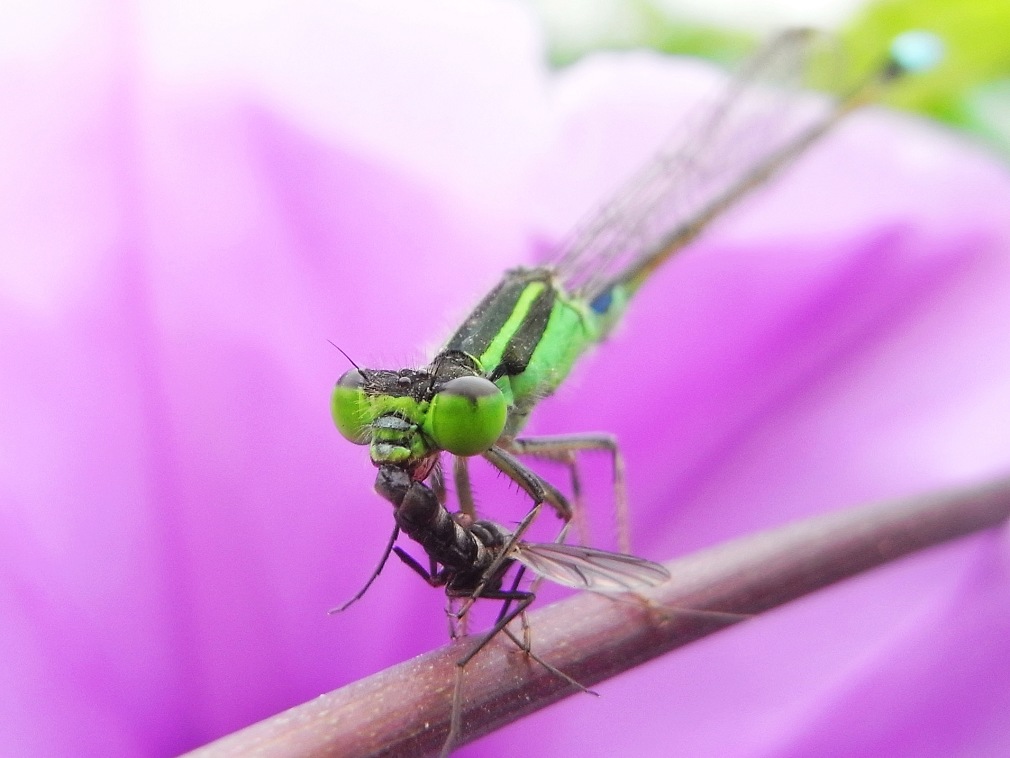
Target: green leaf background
969,89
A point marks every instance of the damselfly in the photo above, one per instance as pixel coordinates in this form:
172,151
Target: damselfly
521,340
519,343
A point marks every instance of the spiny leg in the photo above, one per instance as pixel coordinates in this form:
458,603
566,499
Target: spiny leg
455,718
512,591
435,578
552,669
459,621
375,574
525,645
495,568
429,575
455,714
562,448
464,492
525,648
530,481
570,461
437,481
522,600
537,488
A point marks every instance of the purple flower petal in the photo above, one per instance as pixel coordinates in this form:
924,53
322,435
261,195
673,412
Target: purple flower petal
194,201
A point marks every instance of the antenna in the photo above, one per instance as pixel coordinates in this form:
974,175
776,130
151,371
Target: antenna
349,359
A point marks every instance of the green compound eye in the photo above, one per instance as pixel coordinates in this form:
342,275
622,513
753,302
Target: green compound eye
349,407
467,416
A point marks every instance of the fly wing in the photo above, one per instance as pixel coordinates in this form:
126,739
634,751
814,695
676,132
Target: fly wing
585,568
759,114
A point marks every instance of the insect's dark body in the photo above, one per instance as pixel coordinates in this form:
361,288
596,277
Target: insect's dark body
464,549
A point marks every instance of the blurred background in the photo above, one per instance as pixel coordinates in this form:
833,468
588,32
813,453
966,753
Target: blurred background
969,91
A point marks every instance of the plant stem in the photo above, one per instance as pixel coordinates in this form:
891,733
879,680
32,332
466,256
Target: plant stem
404,710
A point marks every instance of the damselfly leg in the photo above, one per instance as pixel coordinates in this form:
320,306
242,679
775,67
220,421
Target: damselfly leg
564,448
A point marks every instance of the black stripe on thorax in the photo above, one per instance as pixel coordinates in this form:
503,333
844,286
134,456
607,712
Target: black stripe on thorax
487,319
527,337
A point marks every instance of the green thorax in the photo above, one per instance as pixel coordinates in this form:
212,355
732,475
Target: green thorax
526,334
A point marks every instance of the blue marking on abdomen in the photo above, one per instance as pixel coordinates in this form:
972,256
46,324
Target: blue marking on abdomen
602,302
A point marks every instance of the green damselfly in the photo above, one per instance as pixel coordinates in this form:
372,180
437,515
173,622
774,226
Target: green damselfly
520,342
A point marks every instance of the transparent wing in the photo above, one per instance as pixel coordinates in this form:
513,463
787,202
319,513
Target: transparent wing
587,569
723,145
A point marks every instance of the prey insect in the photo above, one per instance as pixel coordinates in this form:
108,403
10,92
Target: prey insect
471,559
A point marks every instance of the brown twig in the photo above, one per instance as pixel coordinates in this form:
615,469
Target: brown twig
404,710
